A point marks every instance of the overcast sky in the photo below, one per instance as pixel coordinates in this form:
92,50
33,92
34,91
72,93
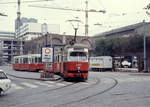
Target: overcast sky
118,13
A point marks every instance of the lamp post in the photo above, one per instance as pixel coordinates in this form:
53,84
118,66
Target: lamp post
75,25
44,29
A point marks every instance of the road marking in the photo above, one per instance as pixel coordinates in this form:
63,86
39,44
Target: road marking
29,85
50,82
66,83
60,84
16,86
42,83
85,83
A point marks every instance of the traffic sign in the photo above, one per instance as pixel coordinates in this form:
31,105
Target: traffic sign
47,54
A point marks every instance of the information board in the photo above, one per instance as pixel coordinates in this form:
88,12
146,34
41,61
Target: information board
47,54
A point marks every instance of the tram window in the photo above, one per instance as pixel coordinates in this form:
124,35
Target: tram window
78,56
39,59
25,60
16,60
36,60
58,58
32,60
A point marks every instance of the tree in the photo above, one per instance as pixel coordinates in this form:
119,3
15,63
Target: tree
119,45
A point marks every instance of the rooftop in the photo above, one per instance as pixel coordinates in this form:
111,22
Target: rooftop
122,29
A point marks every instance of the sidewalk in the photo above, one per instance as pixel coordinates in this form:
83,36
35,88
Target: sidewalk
27,75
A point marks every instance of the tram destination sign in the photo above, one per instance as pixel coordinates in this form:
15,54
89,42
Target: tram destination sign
47,54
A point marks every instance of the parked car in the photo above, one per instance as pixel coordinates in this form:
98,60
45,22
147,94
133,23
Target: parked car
5,82
126,64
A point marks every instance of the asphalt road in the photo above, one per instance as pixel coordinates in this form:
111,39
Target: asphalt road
103,89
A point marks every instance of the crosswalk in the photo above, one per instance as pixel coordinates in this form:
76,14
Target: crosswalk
36,84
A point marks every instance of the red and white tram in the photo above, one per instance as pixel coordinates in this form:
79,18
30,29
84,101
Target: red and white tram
72,61
31,62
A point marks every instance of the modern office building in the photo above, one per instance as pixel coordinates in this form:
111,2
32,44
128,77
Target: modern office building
29,31
9,47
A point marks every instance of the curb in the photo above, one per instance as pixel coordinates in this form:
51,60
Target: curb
41,79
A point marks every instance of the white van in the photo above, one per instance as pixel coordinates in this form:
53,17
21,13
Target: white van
5,83
100,63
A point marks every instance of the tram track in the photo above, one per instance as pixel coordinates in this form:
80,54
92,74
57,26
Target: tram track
88,86
47,91
90,96
75,101
39,93
63,87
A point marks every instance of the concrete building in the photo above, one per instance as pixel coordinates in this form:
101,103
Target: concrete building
126,31
29,31
7,35
8,46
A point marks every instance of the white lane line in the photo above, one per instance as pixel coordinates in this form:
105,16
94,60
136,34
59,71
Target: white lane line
60,84
66,83
29,85
51,82
54,83
16,86
43,84
84,83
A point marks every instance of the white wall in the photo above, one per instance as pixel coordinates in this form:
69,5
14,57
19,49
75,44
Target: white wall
37,28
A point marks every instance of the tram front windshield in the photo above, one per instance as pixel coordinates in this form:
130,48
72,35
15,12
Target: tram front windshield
78,56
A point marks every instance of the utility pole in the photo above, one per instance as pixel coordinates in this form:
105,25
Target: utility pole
18,27
144,40
86,18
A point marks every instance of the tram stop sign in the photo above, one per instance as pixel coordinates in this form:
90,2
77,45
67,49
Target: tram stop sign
47,54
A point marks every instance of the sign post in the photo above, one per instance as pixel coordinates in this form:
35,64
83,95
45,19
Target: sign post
47,54
47,57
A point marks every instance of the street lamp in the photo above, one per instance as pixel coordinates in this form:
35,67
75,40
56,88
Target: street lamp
75,25
44,29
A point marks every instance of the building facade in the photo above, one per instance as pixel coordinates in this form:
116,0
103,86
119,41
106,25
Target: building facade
126,31
9,47
30,28
57,41
30,31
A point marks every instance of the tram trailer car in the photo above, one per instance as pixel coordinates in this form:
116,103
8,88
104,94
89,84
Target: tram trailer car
101,63
72,62
31,62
